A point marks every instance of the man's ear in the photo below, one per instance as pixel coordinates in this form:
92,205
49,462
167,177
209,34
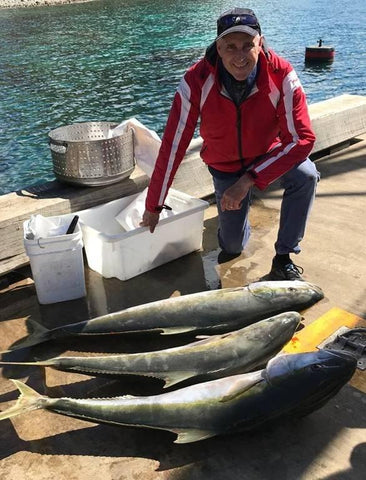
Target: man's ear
219,46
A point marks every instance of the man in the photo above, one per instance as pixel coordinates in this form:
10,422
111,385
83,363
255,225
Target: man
255,127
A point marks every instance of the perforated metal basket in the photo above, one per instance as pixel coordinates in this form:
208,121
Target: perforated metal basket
83,153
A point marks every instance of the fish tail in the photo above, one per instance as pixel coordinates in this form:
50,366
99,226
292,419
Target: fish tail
39,334
28,400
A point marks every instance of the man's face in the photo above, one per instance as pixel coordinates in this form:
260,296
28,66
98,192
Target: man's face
239,53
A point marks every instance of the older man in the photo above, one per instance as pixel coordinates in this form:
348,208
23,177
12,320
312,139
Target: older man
255,127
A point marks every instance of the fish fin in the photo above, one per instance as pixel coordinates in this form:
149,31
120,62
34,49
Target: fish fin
38,335
173,378
241,385
28,400
43,363
192,435
176,330
35,327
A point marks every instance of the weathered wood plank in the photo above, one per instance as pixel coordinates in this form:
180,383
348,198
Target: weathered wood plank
335,121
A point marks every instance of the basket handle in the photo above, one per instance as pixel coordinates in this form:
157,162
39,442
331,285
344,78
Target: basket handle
57,146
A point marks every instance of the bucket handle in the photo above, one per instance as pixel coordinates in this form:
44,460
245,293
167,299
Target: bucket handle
57,146
39,244
76,243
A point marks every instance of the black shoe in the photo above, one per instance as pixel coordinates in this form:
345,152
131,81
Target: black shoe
224,257
288,271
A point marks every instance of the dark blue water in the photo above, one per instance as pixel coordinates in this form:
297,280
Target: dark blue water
115,59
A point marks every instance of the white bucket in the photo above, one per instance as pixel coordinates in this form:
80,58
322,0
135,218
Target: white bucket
57,265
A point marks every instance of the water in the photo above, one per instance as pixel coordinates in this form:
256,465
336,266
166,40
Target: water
115,59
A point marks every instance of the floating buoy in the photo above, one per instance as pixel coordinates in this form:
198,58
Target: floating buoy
319,53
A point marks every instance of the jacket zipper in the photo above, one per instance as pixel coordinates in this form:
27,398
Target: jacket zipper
238,129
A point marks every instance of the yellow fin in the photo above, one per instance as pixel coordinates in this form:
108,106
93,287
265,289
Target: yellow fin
177,330
242,384
28,400
173,378
192,435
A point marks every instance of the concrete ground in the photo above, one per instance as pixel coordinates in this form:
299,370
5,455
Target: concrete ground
330,444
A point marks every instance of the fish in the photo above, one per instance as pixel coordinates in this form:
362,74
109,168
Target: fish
289,386
208,312
213,357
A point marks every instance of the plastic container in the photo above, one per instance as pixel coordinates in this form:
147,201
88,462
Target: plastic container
114,252
57,264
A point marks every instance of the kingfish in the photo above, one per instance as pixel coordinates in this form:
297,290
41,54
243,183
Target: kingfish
213,357
208,312
290,385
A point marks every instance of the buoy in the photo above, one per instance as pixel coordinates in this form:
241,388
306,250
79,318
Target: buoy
319,53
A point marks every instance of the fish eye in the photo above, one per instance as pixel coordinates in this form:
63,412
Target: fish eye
292,289
316,366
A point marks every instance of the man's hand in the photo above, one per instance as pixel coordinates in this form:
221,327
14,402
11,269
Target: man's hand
150,220
234,195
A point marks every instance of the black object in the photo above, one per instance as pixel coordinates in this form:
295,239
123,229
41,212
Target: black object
353,342
72,225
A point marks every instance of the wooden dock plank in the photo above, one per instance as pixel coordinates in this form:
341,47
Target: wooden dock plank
337,120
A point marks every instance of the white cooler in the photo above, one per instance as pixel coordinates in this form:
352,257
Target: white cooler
114,252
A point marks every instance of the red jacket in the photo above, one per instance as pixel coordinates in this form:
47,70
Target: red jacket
268,133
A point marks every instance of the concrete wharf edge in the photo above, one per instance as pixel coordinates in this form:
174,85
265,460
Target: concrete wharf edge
335,121
329,444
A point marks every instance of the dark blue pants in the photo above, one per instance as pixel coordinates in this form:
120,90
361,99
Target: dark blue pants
299,191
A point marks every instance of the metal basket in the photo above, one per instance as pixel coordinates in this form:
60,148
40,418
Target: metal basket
82,153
